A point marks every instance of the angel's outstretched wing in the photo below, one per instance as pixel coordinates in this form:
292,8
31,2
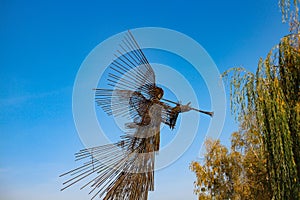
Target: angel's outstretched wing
131,81
112,173
131,69
124,103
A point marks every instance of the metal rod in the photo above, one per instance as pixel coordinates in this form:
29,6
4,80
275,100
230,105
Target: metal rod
198,110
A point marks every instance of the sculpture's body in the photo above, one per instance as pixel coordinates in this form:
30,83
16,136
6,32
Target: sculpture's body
125,170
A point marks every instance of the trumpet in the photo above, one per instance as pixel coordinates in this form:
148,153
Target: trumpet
211,114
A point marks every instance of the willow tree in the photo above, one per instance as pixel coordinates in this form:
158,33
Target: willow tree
290,13
267,106
272,95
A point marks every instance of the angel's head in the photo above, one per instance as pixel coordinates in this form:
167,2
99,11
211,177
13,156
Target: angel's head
157,93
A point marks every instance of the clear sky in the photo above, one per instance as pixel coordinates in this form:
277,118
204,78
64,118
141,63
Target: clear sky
42,45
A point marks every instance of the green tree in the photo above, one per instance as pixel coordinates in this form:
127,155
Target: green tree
272,96
264,161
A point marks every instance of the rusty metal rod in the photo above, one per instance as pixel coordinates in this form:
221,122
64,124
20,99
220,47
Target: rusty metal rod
198,110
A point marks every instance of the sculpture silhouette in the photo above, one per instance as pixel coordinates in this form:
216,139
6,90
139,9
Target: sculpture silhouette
125,170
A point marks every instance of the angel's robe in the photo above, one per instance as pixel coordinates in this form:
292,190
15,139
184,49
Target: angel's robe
141,147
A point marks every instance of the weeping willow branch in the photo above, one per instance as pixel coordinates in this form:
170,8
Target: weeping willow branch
272,96
290,13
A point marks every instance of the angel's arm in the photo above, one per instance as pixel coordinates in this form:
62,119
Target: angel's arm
170,114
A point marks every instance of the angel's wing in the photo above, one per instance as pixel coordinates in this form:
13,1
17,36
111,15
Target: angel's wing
131,79
170,115
131,69
123,103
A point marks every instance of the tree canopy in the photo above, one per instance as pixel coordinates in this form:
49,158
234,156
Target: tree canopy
236,173
264,161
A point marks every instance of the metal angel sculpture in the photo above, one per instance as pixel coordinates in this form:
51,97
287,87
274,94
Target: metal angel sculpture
125,170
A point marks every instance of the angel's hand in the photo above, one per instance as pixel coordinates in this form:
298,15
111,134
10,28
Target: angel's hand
185,108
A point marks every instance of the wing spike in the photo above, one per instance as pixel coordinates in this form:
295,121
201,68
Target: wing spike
139,55
139,73
125,69
141,52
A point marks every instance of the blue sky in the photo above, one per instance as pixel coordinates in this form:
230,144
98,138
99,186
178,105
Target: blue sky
43,44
